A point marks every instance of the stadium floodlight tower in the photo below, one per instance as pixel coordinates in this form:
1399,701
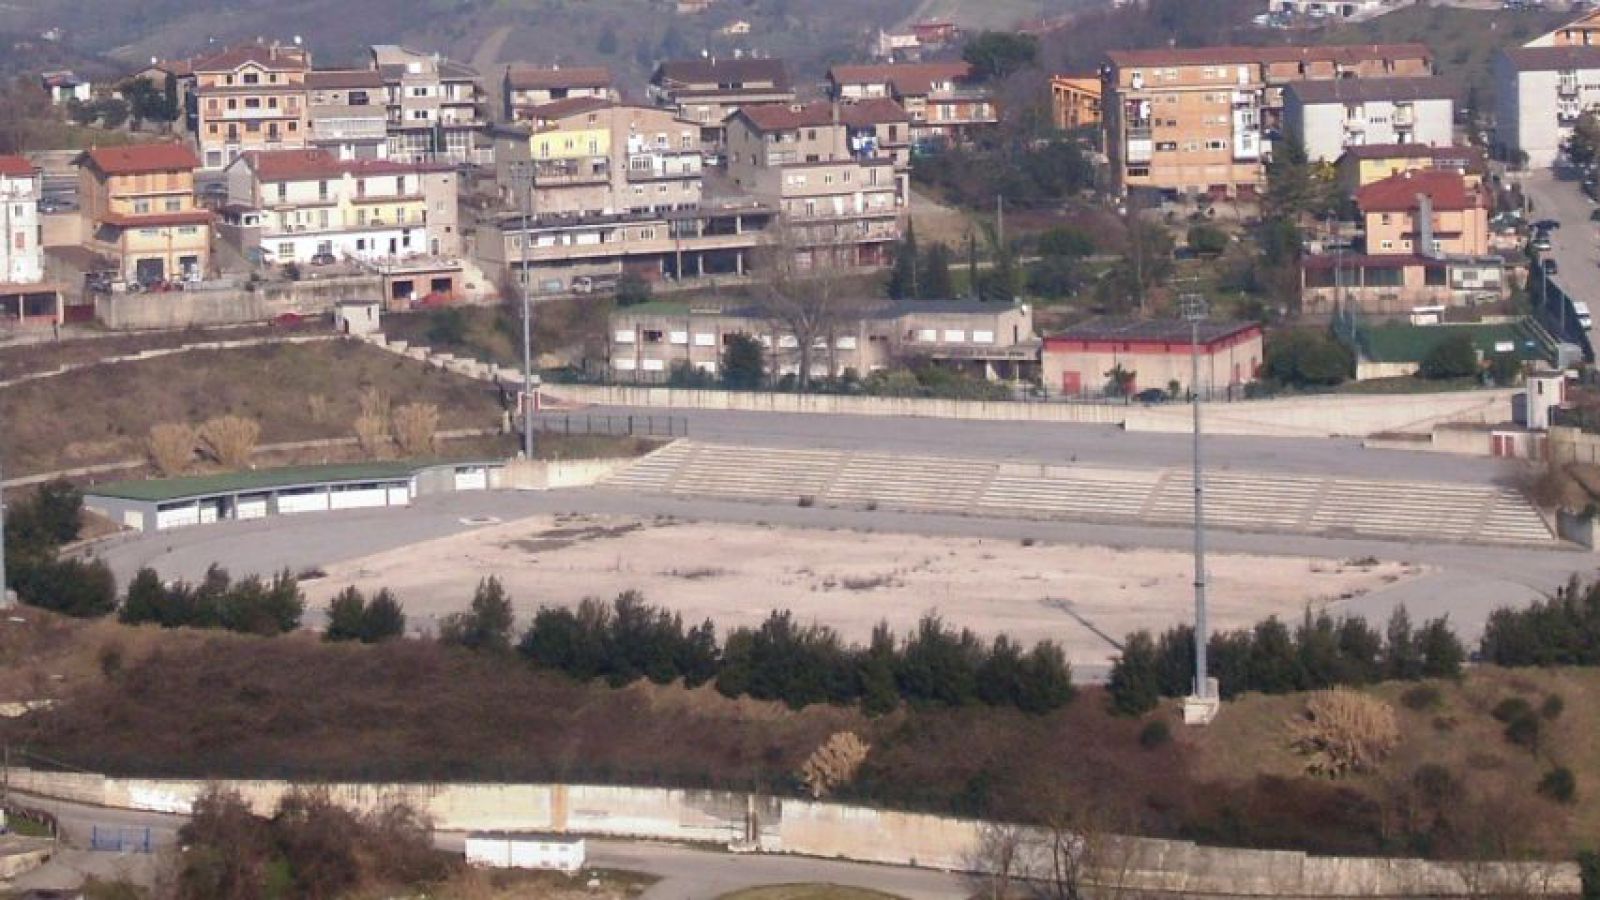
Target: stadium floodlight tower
1200,707
522,179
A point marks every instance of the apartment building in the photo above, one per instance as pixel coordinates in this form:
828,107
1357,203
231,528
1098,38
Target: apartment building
250,98
588,155
942,99
990,340
1583,31
138,206
555,252
349,117
1541,92
25,299
844,205
1363,164
527,87
778,134
315,204
436,107
1075,101
1330,116
1201,121
708,91
1427,244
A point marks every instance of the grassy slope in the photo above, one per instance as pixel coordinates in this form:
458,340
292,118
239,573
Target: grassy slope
103,414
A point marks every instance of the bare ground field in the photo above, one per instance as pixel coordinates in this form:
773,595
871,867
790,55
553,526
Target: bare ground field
1087,598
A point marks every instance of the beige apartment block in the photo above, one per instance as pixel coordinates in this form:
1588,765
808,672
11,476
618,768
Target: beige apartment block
528,87
251,97
1197,121
138,206
943,100
708,91
436,107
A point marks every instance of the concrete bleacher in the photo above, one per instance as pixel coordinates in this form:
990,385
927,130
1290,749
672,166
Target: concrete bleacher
1235,500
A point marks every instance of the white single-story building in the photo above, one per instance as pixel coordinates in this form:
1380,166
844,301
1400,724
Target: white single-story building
507,850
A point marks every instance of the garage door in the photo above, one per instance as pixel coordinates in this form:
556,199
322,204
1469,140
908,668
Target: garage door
177,516
360,497
399,496
472,478
312,501
253,506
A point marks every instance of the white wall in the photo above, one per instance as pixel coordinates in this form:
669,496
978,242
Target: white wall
368,244
21,259
1322,125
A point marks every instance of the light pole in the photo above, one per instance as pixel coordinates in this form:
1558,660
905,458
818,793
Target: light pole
1202,707
5,594
524,178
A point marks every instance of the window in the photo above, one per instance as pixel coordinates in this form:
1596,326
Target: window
1384,218
283,194
286,250
173,204
983,337
188,230
705,340
623,336
678,337
252,103
141,207
252,78
953,336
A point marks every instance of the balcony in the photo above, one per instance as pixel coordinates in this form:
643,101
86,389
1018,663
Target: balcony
557,173
1355,125
1567,87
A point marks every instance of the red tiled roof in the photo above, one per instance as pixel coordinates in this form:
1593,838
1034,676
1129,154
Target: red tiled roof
16,167
1398,193
1470,158
747,71
535,78
896,72
338,79
1199,56
787,116
281,59
156,220
1549,59
300,165
178,68
558,109
136,159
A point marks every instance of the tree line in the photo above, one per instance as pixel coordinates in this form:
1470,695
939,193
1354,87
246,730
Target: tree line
250,605
1269,658
1563,630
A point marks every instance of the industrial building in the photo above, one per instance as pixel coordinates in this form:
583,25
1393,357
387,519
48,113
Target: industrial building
1081,360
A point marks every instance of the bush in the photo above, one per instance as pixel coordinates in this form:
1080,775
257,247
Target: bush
1524,731
1305,358
1511,709
1560,785
1155,734
1589,872
1134,686
1344,732
230,440
1553,632
250,606
1420,698
1552,707
171,447
72,587
1453,357
487,626
416,428
743,363
447,326
633,289
834,764
1207,240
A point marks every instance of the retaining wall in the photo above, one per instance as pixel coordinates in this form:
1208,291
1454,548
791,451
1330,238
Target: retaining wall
181,309
542,475
1320,416
845,832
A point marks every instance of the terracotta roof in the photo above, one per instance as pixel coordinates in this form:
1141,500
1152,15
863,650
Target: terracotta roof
282,59
337,79
558,109
1544,59
1198,56
1398,193
1470,158
535,78
300,165
1154,331
135,159
721,71
786,116
894,73
180,68
17,167
1360,90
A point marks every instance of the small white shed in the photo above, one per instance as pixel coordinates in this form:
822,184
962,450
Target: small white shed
358,317
506,850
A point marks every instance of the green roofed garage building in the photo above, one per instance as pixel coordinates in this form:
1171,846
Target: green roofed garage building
1396,350
159,504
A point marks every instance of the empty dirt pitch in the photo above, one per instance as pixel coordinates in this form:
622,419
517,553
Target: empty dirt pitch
1083,597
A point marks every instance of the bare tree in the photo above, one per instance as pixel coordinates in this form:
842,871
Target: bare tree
416,428
802,292
171,447
230,439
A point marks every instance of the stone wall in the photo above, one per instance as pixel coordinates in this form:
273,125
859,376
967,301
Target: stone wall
181,309
1318,416
829,830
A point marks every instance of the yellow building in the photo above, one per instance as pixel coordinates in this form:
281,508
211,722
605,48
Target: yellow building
1362,165
1075,100
252,97
1428,214
139,205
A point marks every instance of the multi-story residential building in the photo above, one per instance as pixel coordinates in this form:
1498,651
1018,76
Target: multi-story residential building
1427,244
819,131
708,91
991,340
1329,116
251,97
1361,165
25,299
943,102
436,107
139,206
600,157
316,204
556,253
843,203
1541,92
528,87
1583,31
1075,101
348,113
1324,8
1202,120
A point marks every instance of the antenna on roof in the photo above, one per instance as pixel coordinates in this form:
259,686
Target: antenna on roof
297,40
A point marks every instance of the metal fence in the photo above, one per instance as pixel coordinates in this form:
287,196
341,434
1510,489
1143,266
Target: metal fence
117,839
611,426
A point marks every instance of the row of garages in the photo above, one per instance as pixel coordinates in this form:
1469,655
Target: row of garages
161,504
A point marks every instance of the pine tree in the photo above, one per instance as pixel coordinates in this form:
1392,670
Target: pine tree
933,276
346,616
1401,661
903,276
1441,651
880,694
383,619
145,599
1135,686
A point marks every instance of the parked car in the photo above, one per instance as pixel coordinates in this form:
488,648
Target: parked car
592,284
1549,266
1547,224
1594,215
323,259
1151,395
1541,241
1584,318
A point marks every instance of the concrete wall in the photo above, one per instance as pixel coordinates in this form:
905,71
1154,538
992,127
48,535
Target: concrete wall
836,831
541,475
180,309
1570,445
1319,416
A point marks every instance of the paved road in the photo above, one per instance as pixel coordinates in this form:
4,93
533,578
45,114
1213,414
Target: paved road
1055,442
1575,246
685,873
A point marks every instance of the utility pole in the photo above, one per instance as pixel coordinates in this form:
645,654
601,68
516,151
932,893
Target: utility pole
529,388
5,593
1200,708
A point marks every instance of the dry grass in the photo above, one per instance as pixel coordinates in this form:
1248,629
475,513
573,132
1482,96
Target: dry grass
230,440
833,764
267,384
1344,732
807,892
416,426
372,435
171,447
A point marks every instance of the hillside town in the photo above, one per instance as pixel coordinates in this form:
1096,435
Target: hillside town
1120,448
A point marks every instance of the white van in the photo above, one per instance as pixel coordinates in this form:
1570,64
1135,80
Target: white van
1584,317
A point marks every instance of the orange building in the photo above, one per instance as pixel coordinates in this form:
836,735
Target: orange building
1075,100
252,97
